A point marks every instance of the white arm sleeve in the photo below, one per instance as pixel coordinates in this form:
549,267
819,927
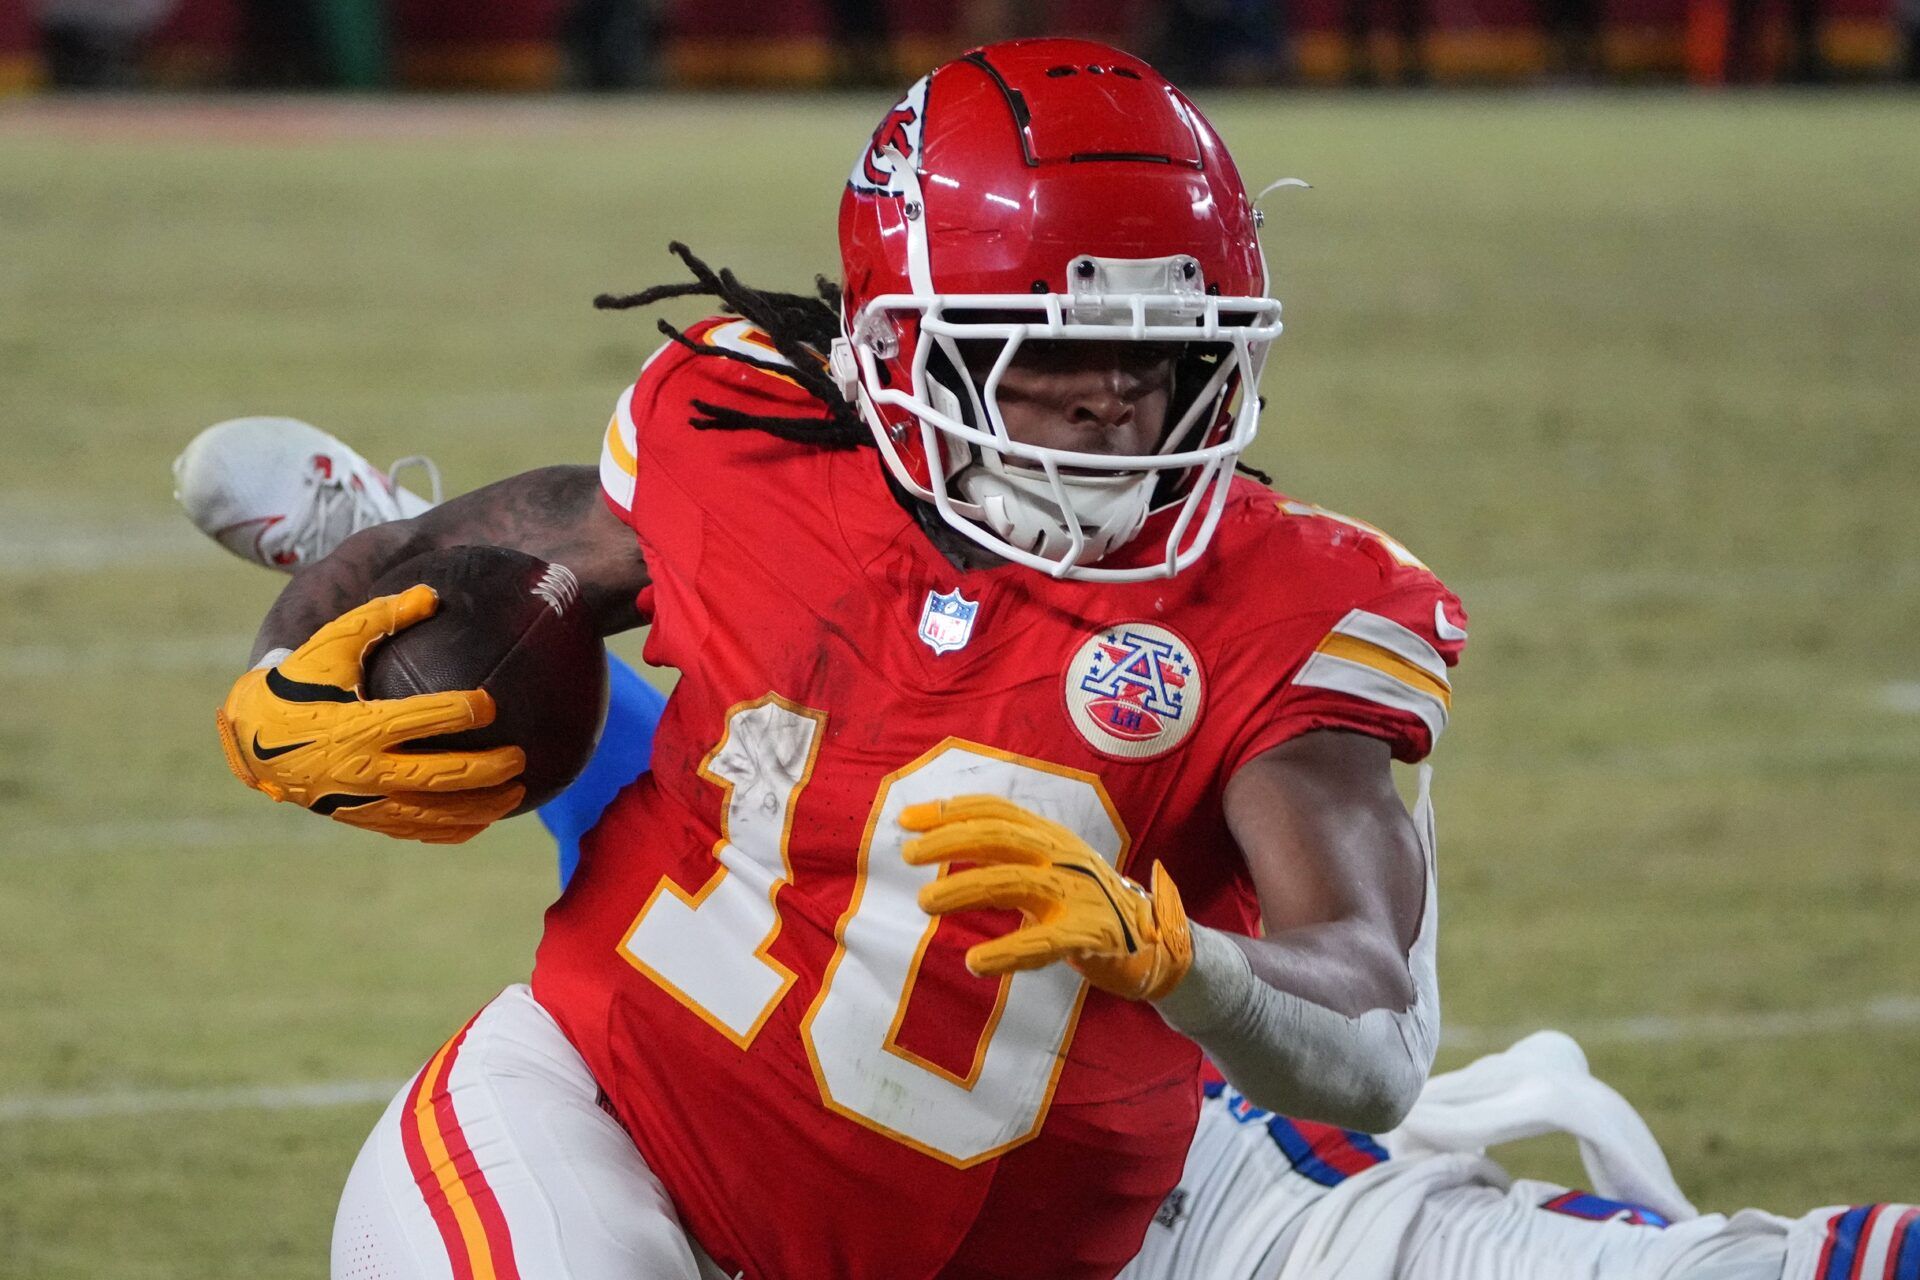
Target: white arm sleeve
1301,1059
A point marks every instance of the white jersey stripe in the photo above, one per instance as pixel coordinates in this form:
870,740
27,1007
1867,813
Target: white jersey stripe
1395,639
617,454
743,337
1324,671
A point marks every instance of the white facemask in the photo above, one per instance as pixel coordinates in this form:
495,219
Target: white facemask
1058,510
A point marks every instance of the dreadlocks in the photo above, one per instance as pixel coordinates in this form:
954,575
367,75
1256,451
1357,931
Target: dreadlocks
801,327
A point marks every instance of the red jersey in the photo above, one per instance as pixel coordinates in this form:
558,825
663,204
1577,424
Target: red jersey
798,1051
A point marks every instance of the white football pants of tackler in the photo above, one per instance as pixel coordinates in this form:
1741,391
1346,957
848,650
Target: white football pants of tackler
1440,1210
498,1148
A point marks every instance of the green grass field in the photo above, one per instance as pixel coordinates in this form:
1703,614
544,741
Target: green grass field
1638,375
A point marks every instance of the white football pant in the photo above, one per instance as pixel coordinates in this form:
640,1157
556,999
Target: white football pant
497,1162
1263,1198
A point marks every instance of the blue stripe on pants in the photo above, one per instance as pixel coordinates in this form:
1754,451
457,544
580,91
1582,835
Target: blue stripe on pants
1907,1261
1846,1242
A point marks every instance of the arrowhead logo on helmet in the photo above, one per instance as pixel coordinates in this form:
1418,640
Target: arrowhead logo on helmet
1068,193
898,132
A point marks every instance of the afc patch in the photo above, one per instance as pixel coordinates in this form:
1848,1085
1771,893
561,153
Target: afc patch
1133,690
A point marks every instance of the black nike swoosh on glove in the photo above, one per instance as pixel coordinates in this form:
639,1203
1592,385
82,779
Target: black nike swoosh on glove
300,691
1126,934
268,753
335,801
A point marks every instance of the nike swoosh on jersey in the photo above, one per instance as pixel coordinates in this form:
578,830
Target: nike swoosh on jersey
1447,631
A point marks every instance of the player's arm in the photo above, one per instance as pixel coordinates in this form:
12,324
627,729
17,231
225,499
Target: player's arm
296,726
1329,1015
556,513
1332,1016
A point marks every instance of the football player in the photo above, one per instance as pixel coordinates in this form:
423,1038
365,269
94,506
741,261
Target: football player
935,705
1262,1196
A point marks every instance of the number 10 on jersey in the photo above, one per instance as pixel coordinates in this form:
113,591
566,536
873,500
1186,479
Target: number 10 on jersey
709,948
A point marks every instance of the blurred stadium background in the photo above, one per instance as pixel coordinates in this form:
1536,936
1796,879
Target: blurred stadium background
612,44
1635,370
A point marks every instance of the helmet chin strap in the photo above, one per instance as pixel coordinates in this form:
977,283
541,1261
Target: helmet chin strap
1023,506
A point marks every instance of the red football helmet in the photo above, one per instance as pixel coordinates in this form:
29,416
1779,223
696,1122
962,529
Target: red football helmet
1051,190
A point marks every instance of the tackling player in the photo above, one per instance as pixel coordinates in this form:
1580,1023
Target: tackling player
1266,1197
1047,639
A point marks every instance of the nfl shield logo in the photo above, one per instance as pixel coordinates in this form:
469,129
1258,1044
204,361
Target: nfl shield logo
946,621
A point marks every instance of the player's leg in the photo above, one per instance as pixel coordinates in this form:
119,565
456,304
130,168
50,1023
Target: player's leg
497,1160
1267,1198
1874,1241
1263,1197
1531,1230
1439,1211
1537,1230
282,493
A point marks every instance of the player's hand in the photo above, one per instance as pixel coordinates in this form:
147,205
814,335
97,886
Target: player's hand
301,732
1076,907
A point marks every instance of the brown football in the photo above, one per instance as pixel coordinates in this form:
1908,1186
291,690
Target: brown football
514,625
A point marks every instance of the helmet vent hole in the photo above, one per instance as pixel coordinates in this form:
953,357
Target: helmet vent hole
1126,73
1056,72
1095,70
1039,286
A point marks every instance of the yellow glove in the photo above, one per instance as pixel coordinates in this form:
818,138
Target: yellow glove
1077,908
301,732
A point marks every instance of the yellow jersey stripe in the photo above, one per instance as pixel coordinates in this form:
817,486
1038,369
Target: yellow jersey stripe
1370,684
1387,634
617,447
1388,663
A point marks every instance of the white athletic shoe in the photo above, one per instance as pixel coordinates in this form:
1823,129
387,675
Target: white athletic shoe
283,493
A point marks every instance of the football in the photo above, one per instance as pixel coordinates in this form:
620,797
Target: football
514,625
